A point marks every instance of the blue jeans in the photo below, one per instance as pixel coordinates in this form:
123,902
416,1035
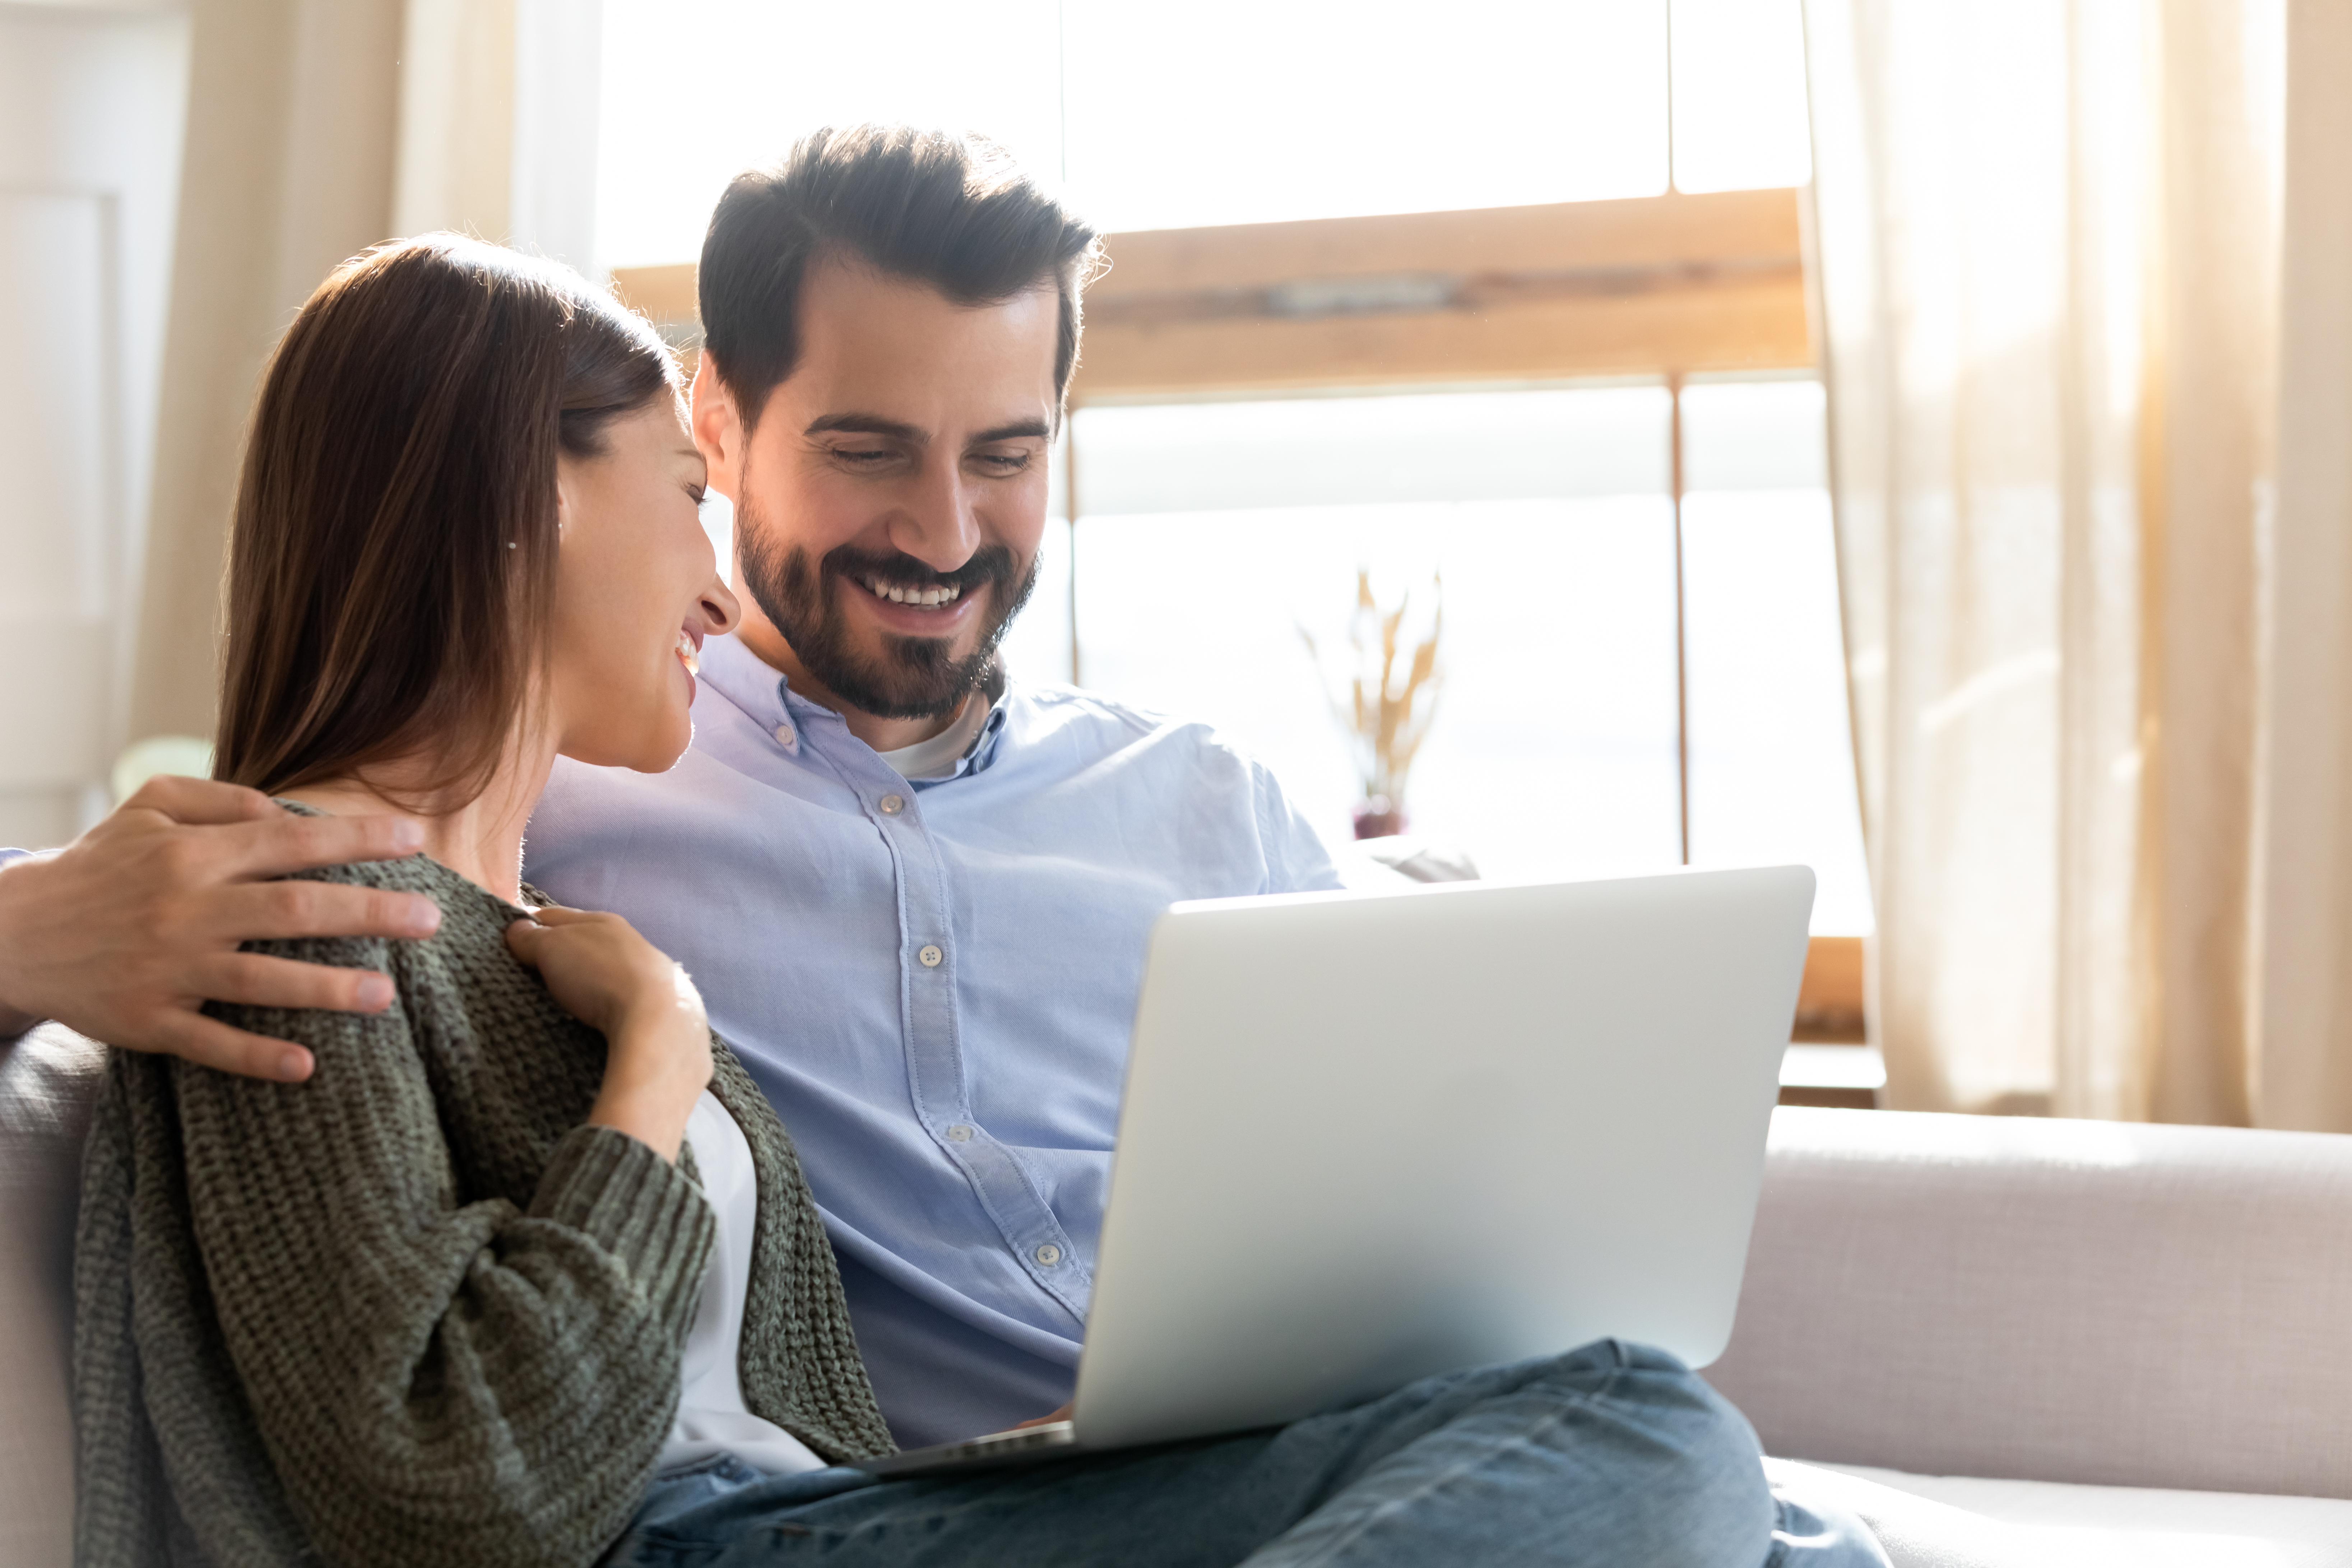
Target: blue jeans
1614,1455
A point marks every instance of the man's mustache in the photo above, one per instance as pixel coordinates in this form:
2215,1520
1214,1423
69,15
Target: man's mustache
989,563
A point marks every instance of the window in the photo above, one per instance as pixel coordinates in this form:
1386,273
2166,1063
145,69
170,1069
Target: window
1217,111
1212,535
1449,298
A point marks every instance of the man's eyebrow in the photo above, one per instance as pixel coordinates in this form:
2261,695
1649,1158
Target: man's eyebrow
1015,431
867,424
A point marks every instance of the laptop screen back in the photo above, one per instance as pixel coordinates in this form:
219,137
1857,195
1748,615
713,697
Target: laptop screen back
1369,1139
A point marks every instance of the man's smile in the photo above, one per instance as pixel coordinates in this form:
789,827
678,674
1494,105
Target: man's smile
904,594
931,610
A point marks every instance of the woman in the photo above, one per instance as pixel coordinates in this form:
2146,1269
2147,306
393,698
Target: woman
527,1272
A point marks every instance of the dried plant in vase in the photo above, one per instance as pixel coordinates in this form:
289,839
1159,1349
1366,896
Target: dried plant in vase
1391,696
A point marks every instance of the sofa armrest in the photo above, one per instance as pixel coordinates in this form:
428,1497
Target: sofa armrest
2051,1300
47,1080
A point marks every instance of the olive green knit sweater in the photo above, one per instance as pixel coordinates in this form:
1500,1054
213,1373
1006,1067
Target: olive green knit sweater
415,1311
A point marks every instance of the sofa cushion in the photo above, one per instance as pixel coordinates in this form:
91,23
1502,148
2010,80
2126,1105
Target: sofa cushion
2066,1300
1966,1521
46,1085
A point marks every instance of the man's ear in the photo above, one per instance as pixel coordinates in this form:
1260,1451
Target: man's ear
717,431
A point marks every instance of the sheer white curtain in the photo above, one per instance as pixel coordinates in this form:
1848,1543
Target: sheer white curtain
316,129
2048,244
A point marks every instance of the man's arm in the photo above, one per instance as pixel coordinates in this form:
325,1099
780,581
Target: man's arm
128,931
1295,859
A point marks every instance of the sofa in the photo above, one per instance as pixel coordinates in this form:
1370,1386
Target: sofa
2008,1341
2002,1342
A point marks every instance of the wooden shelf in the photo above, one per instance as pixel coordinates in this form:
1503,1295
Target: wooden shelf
1830,1001
1647,287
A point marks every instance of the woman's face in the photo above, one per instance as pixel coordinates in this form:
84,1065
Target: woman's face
636,590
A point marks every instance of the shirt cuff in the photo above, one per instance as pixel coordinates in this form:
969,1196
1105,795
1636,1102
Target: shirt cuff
7,1015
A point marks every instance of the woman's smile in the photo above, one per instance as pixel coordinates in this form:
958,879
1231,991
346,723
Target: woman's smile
635,561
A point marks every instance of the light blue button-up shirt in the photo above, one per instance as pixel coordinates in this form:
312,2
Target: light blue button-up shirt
933,981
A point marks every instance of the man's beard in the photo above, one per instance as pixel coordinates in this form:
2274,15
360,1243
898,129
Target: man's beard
912,677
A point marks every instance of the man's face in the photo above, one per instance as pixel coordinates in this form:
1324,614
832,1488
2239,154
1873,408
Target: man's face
888,506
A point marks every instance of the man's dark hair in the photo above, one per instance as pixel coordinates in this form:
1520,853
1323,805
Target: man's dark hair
953,212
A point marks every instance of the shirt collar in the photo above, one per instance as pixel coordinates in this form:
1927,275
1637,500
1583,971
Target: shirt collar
761,690
744,679
981,752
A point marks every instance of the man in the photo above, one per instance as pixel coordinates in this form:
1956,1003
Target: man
918,897
915,897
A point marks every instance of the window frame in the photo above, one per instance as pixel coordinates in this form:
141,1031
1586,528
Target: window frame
1667,287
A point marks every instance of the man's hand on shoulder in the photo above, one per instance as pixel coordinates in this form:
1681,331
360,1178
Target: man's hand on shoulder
127,932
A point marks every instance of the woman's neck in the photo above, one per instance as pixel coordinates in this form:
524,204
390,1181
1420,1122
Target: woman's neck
480,840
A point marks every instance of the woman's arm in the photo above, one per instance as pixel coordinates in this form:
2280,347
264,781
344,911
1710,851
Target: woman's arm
435,1381
658,1060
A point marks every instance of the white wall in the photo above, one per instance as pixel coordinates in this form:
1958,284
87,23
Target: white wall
92,100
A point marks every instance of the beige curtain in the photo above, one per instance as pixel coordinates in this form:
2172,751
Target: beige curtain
288,169
2304,1037
2048,242
318,128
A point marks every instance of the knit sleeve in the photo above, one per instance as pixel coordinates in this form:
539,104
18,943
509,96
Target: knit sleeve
435,1380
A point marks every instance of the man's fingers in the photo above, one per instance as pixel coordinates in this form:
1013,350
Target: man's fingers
261,912
210,1043
263,982
557,915
202,802
265,911
286,844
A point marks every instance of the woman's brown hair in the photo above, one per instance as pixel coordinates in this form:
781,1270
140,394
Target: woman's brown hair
392,558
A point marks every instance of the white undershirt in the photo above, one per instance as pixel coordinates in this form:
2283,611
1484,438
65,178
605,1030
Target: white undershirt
936,757
711,1416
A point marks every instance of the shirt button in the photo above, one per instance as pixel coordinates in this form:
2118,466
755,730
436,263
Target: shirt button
1047,1254
959,1133
892,804
784,735
930,957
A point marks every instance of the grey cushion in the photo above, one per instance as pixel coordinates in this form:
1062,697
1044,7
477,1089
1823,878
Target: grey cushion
1961,1521
45,1083
2164,1307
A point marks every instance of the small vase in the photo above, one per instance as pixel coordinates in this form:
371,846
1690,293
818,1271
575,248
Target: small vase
1377,817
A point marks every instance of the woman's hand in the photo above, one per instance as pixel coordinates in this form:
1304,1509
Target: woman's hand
657,1039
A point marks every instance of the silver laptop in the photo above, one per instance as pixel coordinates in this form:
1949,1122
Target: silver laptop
1370,1138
